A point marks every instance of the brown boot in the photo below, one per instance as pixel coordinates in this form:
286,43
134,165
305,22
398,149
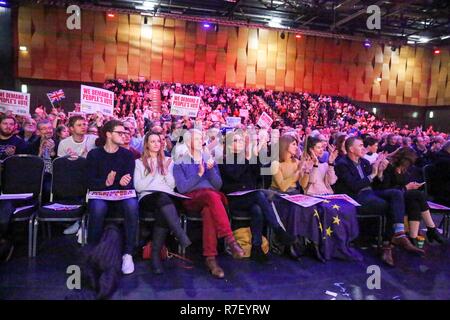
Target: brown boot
214,268
235,249
404,243
386,255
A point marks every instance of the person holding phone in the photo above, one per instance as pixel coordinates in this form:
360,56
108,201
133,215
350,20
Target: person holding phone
396,175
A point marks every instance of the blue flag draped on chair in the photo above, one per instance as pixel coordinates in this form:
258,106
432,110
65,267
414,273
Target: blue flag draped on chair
331,225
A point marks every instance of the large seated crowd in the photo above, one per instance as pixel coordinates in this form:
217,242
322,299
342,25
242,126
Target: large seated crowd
317,145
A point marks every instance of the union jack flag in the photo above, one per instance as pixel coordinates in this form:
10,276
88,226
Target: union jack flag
57,95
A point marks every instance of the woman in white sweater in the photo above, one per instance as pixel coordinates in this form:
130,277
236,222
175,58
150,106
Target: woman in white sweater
153,180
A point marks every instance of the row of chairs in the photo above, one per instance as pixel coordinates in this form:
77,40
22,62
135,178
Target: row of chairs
25,173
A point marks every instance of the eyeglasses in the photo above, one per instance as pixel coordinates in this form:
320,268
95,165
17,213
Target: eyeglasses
122,133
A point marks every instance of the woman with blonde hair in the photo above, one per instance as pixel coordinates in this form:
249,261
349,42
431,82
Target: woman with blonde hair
154,181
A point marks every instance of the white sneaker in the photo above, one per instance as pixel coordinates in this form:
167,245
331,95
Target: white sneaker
127,264
73,228
79,237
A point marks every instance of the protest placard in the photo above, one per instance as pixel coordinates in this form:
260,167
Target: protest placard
182,105
341,197
112,195
16,102
233,121
437,206
243,113
94,100
265,121
302,200
73,114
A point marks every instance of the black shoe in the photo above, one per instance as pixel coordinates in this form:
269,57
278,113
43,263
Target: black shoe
434,235
6,250
258,255
292,253
284,238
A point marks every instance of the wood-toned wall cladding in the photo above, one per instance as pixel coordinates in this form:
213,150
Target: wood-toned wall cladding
172,50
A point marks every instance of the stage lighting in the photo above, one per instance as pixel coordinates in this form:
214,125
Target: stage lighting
437,51
431,115
298,36
2,3
206,25
110,15
367,43
24,88
379,79
23,48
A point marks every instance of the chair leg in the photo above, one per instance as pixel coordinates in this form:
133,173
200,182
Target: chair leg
35,236
137,233
30,237
184,222
446,224
49,230
380,232
83,223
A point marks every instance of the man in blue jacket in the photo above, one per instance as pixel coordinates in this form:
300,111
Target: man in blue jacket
355,177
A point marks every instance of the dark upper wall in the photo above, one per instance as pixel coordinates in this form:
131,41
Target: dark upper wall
172,50
6,49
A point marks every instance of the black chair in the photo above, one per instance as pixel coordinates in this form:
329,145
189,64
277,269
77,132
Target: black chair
68,187
24,174
429,171
381,224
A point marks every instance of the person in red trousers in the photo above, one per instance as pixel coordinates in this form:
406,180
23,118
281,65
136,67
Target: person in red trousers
198,177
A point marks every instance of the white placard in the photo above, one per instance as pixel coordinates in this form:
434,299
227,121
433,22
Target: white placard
112,195
233,121
241,193
172,193
20,209
15,196
16,102
93,100
341,197
182,105
265,121
302,200
437,206
243,113
73,114
62,207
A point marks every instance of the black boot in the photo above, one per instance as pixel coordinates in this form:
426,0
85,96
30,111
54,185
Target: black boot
434,235
173,221
284,237
158,240
258,255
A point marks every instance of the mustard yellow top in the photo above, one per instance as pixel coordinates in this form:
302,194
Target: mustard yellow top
285,174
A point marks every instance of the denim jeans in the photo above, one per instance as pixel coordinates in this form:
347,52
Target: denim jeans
389,203
98,210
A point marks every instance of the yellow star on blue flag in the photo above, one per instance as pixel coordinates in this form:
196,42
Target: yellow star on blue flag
336,207
336,220
329,231
316,213
326,201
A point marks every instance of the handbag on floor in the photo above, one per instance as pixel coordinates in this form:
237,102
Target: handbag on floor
147,252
